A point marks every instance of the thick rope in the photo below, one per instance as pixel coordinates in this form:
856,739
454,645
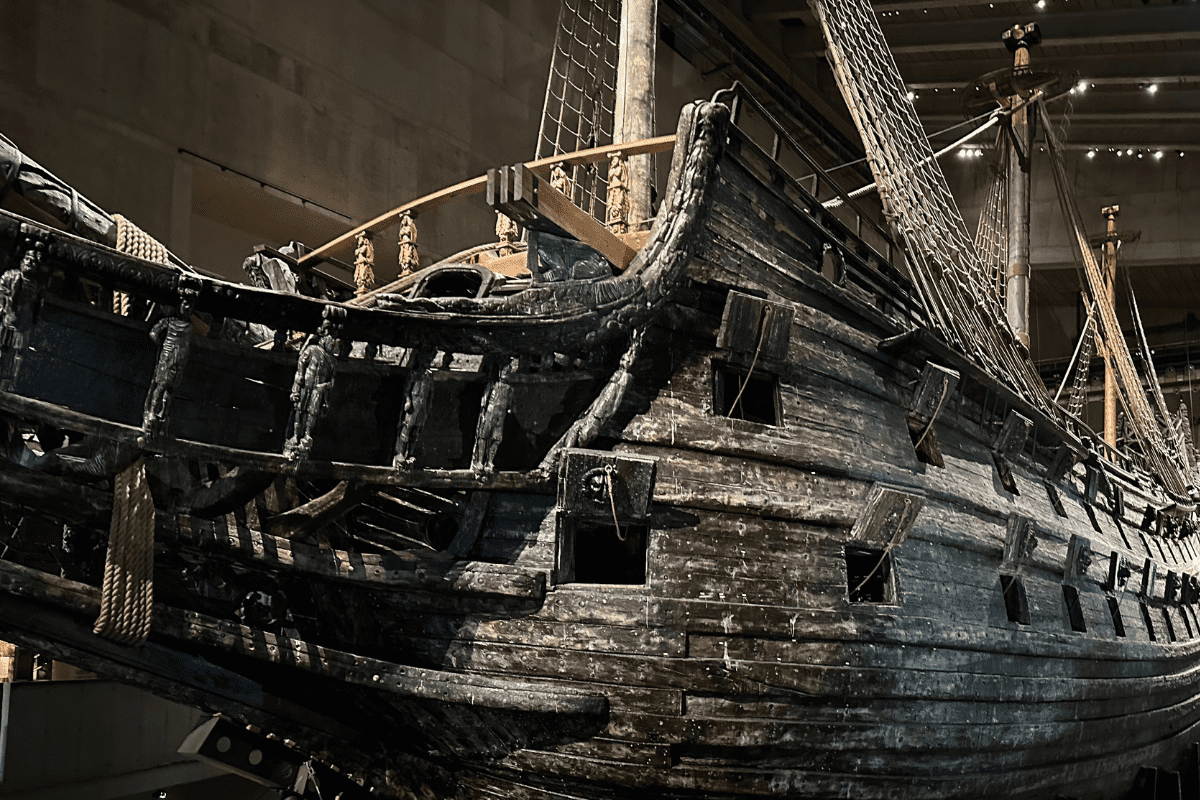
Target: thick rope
127,597
134,241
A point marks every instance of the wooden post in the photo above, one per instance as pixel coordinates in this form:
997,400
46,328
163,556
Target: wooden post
1110,297
634,117
1016,274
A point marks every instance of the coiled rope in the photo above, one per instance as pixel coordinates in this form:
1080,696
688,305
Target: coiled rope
127,596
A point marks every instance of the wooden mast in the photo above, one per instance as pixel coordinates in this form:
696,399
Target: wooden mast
634,113
1016,274
1110,297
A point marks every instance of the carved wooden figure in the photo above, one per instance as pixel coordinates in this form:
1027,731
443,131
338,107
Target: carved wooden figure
20,300
418,387
618,194
406,238
173,335
506,234
364,263
560,180
490,430
311,388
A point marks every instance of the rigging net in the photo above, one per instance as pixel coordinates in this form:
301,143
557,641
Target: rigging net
954,285
581,93
1160,442
991,234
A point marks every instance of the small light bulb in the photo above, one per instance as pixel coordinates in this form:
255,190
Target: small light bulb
1158,153
1129,152
1152,88
1091,154
911,96
1041,3
1082,86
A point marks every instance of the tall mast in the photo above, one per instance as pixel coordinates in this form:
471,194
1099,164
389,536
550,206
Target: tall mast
634,117
1110,296
1016,274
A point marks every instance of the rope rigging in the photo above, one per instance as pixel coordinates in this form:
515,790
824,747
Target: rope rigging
1160,442
581,93
952,281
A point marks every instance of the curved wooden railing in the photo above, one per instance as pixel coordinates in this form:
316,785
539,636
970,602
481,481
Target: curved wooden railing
542,167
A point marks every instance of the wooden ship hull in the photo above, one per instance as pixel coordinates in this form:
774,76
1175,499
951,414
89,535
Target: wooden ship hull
752,530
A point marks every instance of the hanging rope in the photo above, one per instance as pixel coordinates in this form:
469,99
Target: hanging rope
581,93
952,282
1079,368
127,598
1160,443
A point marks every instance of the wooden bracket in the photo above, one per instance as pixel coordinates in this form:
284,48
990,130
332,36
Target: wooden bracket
888,516
1061,466
1009,442
532,202
1171,589
1020,539
1056,500
935,387
1149,574
1079,558
1091,486
1116,496
1118,573
1189,593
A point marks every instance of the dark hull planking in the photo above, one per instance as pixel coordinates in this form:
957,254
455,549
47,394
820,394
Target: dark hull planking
737,664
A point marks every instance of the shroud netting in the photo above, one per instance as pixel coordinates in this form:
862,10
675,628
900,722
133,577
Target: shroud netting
956,288
1152,426
581,93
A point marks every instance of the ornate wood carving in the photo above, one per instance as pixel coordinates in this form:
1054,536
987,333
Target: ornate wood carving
364,263
561,181
406,238
490,430
506,234
313,384
173,335
418,387
21,289
617,201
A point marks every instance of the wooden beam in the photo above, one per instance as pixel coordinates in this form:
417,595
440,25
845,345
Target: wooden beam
658,144
531,199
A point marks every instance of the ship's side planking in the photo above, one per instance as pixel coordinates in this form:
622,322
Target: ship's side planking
812,552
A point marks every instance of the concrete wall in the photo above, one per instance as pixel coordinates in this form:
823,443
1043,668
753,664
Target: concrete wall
355,105
98,739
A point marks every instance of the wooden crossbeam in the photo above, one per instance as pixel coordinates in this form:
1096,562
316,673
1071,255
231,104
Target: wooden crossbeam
658,144
518,192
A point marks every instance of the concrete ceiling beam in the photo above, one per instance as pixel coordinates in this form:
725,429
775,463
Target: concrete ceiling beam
1068,29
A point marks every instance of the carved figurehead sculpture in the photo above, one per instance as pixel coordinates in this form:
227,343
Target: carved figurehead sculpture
312,387
21,289
173,335
617,200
